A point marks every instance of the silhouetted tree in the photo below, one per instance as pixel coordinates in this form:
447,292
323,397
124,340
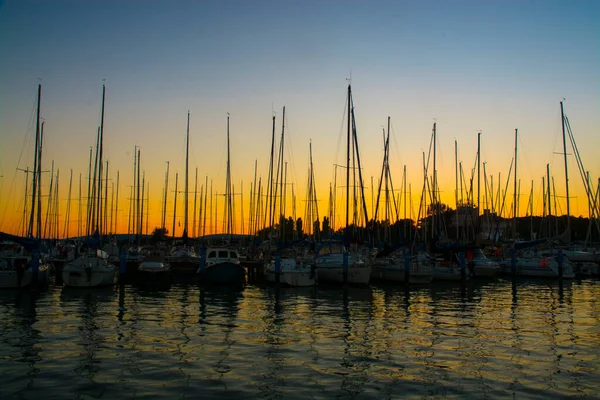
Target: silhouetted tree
326,229
159,235
317,230
299,228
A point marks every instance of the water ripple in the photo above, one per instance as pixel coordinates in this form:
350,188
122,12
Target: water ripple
489,340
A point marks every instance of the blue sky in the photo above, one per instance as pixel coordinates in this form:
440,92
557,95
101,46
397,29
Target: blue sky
470,65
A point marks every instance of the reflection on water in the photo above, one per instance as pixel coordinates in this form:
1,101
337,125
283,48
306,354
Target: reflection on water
497,339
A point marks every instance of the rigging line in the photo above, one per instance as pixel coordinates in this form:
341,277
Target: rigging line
290,151
26,139
580,165
524,157
341,133
396,147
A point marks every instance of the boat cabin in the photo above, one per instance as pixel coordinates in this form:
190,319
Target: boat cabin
221,255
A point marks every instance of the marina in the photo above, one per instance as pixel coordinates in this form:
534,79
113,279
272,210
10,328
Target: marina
313,200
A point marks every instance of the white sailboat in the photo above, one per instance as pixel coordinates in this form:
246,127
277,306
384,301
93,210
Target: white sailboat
183,258
391,269
336,262
536,264
16,269
296,270
330,265
92,267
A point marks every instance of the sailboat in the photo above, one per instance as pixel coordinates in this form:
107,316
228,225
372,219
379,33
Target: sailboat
293,265
221,265
337,262
392,264
20,264
17,258
586,261
526,260
92,266
183,259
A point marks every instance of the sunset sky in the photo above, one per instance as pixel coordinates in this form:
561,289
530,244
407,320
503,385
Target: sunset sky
470,66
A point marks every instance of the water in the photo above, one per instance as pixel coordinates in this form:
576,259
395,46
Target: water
484,340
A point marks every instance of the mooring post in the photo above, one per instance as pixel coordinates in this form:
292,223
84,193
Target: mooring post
202,262
406,266
35,268
461,260
513,263
346,256
560,263
277,266
122,264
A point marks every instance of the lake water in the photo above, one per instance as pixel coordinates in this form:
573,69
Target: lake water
529,340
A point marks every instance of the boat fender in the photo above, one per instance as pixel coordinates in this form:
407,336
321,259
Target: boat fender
544,263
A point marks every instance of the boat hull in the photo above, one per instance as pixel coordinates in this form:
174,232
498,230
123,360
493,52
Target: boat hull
88,272
487,270
293,278
534,268
292,273
396,273
358,274
10,279
225,273
184,267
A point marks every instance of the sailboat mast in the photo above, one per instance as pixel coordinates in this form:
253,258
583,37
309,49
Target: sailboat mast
89,191
99,213
93,201
175,204
404,182
515,195
478,173
35,162
164,216
139,237
548,190
280,168
434,203
387,174
456,184
47,234
138,226
105,219
117,204
346,233
24,221
147,205
229,210
562,115
270,183
194,233
39,184
68,216
254,203
185,195
205,209
79,214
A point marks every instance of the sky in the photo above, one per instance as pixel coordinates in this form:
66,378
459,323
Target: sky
471,67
